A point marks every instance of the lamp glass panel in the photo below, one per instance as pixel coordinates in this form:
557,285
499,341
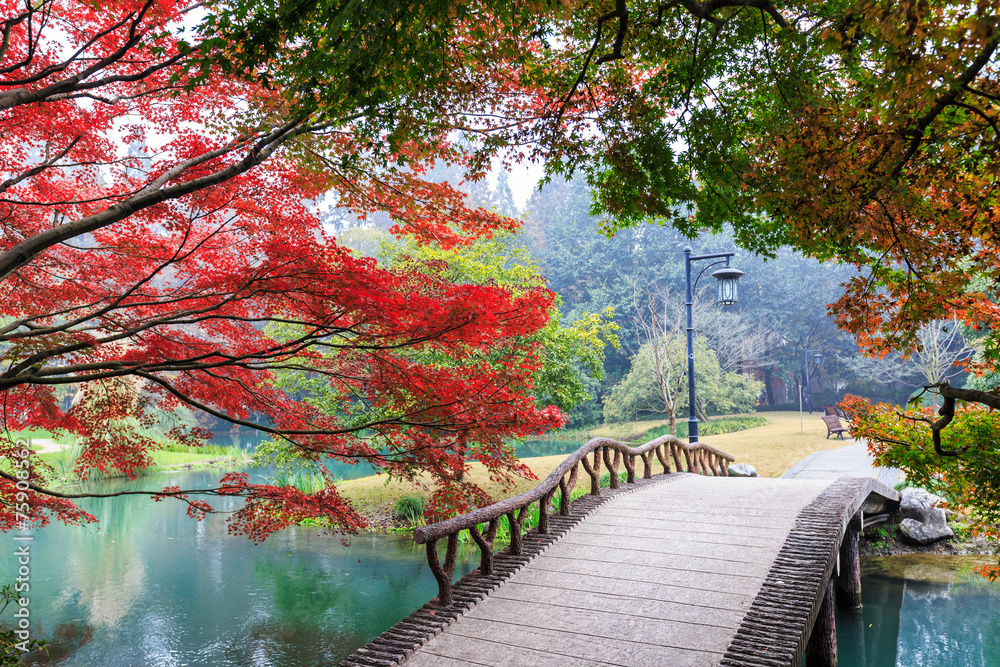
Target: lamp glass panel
728,293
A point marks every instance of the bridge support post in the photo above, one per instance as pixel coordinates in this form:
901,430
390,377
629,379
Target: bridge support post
849,579
822,648
443,572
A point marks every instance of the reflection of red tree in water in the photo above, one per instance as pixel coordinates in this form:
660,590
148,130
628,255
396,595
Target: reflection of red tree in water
67,640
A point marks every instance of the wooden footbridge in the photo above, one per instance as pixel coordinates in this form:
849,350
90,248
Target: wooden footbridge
669,569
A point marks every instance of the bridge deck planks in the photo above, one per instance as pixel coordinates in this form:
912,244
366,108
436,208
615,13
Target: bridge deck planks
662,576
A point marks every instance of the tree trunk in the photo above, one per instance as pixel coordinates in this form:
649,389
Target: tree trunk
769,385
702,415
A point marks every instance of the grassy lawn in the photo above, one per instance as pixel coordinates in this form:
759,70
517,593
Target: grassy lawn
771,449
775,448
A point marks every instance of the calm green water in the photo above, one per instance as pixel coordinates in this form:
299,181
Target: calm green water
546,447
921,611
150,587
249,439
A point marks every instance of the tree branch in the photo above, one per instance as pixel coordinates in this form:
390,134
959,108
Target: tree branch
153,194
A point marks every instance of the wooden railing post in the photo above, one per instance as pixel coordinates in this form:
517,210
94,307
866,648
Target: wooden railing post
443,573
677,459
822,648
566,487
594,470
662,456
612,467
543,512
849,579
647,464
515,519
485,543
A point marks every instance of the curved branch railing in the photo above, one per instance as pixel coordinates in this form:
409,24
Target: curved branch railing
699,458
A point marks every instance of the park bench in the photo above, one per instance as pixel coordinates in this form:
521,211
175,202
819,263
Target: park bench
833,410
833,426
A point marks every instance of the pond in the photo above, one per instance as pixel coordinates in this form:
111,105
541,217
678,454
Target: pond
921,610
530,447
249,439
150,587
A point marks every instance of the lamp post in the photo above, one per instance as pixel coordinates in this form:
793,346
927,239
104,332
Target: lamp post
809,394
728,294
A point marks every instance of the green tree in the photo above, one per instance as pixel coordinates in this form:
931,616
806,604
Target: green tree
504,196
790,292
657,384
785,296
939,358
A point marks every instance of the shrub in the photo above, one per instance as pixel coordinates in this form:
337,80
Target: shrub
304,481
411,509
714,427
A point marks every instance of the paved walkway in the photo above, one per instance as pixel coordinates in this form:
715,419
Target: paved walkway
848,461
673,593
46,445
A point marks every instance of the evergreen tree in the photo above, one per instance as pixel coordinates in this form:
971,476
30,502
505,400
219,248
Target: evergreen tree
503,197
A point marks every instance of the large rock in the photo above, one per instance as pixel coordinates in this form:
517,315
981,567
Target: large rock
742,470
924,533
923,520
922,506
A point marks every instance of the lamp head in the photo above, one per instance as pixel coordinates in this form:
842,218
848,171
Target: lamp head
728,278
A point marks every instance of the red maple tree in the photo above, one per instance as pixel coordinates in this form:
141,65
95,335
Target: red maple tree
158,249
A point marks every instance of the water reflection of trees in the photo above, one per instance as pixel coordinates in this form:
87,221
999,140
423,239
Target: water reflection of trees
106,571
65,640
949,624
913,622
347,598
148,582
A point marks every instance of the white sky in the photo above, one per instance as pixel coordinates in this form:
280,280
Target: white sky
522,180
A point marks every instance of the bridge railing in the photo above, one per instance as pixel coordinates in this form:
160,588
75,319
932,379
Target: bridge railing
698,458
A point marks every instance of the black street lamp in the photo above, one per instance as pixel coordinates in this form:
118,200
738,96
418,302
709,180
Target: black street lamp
818,356
728,278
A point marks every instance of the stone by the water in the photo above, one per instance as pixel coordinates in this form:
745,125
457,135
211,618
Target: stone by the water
923,519
742,470
922,506
924,533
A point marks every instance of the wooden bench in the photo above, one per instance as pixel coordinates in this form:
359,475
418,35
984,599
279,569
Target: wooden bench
833,426
833,410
